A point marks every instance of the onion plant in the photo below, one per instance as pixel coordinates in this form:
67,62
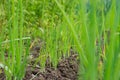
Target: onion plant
90,31
89,27
17,53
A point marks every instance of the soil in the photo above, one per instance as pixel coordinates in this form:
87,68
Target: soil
67,68
2,76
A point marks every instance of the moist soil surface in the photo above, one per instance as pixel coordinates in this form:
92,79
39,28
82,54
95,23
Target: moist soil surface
67,68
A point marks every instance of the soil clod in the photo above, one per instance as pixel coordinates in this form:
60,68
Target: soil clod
67,69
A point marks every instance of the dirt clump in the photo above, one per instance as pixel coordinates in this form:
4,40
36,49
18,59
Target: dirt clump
67,69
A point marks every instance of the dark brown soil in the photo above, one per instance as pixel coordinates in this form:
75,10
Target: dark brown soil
67,69
2,76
